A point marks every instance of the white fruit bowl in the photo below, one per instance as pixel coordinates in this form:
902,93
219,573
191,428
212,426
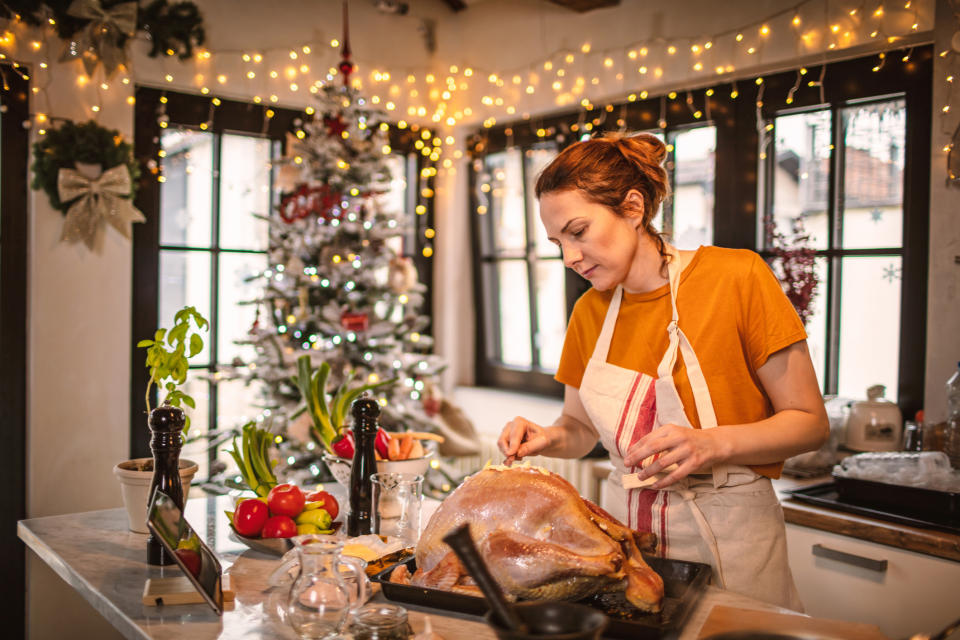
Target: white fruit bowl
340,467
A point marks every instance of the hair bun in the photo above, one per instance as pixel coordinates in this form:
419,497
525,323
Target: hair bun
646,145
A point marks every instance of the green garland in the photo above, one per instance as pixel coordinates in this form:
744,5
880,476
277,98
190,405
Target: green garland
70,143
176,27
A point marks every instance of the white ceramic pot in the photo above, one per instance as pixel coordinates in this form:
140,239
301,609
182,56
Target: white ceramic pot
135,477
340,467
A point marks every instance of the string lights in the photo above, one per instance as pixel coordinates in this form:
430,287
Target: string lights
457,94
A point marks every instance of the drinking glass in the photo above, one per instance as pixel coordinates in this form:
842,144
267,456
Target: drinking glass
396,505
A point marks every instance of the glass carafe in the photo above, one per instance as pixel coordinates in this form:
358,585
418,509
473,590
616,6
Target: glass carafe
320,599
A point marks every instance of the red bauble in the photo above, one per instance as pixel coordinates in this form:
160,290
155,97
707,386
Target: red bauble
354,321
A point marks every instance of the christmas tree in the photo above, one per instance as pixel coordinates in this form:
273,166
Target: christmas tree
337,286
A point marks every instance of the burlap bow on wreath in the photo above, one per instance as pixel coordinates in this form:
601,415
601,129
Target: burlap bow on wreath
104,38
97,200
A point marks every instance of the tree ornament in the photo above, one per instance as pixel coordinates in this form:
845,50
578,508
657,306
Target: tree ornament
402,275
306,201
346,67
335,125
96,200
354,320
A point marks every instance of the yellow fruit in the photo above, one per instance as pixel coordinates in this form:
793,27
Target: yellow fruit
317,517
303,529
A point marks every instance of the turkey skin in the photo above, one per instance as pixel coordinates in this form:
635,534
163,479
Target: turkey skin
540,540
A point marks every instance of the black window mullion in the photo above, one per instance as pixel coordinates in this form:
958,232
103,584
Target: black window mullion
835,192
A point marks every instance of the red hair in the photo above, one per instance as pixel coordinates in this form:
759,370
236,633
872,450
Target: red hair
606,169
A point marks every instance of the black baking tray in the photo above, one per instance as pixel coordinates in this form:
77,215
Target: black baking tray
872,501
683,584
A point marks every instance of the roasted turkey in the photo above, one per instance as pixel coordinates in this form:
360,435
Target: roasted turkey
540,540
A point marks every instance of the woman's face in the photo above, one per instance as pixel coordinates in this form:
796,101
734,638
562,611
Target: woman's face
595,242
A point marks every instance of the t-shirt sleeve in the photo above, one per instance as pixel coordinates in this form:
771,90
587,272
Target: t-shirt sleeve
770,322
574,356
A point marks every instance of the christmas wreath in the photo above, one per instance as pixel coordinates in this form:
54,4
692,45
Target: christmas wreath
88,143
105,26
88,172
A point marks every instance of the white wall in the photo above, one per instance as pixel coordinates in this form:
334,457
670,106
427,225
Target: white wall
79,301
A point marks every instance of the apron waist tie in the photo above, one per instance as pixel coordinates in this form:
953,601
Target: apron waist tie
689,497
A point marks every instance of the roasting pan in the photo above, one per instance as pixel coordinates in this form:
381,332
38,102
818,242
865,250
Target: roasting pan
683,582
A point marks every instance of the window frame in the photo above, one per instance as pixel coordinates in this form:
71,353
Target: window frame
230,117
14,182
737,210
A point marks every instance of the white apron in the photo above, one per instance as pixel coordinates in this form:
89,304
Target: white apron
730,519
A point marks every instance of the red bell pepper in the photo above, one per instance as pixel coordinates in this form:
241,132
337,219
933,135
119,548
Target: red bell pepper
343,444
382,443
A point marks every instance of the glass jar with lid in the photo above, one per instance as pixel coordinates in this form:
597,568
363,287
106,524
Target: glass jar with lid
381,621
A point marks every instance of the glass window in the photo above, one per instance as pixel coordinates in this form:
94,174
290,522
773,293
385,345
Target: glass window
523,273
854,338
692,169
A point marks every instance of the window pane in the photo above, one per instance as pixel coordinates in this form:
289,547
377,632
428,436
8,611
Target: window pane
506,201
870,329
185,280
238,403
185,194
395,200
693,177
196,450
551,311
233,318
244,191
801,173
817,322
873,175
514,313
537,160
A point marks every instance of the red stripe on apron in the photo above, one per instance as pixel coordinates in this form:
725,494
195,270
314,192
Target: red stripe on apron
625,409
640,503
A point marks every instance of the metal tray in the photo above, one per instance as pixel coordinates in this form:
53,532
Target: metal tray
684,583
826,495
939,506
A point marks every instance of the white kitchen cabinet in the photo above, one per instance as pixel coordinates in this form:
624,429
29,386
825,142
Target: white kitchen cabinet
846,578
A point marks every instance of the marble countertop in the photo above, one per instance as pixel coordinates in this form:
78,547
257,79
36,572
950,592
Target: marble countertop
98,556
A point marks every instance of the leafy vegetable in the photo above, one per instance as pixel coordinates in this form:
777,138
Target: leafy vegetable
328,416
253,459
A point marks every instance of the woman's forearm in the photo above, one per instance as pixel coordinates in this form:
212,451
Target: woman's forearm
569,438
785,434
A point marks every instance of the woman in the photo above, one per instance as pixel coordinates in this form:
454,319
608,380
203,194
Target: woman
743,380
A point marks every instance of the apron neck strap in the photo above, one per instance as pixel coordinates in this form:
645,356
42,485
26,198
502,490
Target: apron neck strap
602,349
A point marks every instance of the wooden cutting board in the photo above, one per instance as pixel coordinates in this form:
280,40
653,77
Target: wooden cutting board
722,619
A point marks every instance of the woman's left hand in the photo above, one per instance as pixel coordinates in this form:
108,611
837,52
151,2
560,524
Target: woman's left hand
690,449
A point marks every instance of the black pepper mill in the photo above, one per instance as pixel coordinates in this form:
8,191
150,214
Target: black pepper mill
365,412
166,423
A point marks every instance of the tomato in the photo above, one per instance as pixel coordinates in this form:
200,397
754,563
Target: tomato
330,504
190,559
249,517
285,500
279,527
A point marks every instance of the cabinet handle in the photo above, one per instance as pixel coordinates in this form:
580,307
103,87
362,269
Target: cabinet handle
849,558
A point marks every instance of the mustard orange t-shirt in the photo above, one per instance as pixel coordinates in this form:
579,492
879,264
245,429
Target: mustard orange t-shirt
732,309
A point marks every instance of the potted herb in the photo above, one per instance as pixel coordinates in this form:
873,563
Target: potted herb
167,358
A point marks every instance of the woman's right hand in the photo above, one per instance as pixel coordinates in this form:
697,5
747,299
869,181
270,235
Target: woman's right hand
521,438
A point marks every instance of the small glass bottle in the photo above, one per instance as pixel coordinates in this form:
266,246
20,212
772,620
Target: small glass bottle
365,412
381,622
166,423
